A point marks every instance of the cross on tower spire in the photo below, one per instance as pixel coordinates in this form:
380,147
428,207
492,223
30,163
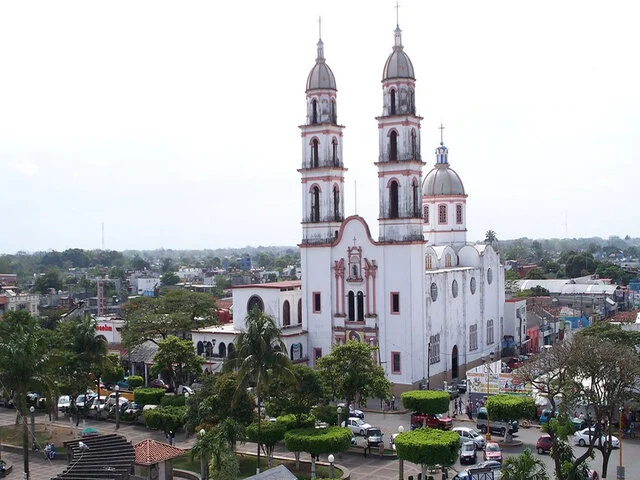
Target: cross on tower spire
441,127
320,28
397,7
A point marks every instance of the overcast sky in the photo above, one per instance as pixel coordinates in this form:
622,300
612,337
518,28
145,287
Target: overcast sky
176,123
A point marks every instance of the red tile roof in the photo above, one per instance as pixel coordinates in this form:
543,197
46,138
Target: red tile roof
625,316
224,304
149,452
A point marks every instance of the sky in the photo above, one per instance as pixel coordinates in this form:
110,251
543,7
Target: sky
175,124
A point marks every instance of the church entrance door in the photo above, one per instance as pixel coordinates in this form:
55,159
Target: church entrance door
454,362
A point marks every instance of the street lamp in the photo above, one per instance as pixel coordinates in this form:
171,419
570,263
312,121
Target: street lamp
117,407
401,461
33,427
203,460
331,458
488,369
339,413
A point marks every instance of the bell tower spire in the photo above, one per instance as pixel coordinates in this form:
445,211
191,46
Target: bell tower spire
322,168
399,162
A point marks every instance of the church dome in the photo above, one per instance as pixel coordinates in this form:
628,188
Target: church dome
398,64
442,180
321,75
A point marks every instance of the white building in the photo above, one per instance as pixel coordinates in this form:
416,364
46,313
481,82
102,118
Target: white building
431,303
11,301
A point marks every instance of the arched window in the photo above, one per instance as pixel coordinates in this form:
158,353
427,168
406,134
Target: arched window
447,260
222,350
255,302
314,112
392,102
414,144
428,262
442,214
208,349
351,307
416,198
300,312
426,213
314,153
393,200
458,214
334,113
286,314
200,348
360,298
315,204
336,203
393,146
490,335
230,349
334,152
412,103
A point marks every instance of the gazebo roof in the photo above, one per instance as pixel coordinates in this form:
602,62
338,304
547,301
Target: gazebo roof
150,452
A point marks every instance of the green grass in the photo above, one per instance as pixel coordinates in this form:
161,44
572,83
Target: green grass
248,466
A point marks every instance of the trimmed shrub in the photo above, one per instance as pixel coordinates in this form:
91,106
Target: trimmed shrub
510,407
166,418
173,401
135,381
270,434
319,440
292,421
428,446
148,396
426,401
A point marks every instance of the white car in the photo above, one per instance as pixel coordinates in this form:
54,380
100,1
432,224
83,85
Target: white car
584,437
470,435
356,425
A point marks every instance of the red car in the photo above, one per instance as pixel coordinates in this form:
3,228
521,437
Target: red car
159,383
514,363
543,444
492,452
440,421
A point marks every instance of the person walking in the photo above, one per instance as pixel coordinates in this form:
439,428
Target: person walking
393,402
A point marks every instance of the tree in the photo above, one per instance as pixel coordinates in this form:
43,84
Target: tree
169,278
350,372
260,355
510,407
426,401
24,357
50,279
511,275
428,446
270,434
535,274
579,265
524,467
316,441
175,313
295,394
178,360
490,237
139,264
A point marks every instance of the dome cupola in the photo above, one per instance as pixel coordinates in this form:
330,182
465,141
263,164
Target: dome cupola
442,180
398,64
321,76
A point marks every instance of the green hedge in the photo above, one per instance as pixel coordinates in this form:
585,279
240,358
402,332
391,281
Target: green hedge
135,381
426,401
166,418
510,407
148,396
291,421
173,401
428,446
318,440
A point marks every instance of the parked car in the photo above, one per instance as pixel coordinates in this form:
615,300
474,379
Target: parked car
513,363
374,436
545,416
492,451
182,389
468,453
584,436
83,400
353,412
543,444
470,435
159,383
479,471
462,386
356,425
195,386
97,406
64,402
453,391
441,421
500,427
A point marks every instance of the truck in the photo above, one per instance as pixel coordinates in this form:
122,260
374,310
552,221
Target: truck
440,421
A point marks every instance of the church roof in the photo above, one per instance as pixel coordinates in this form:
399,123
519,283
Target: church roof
442,180
321,76
398,64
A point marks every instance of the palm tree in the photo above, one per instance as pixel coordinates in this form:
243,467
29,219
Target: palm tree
24,357
490,237
524,467
260,355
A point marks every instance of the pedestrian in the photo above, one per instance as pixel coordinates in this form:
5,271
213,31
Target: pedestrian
456,405
170,437
460,406
469,413
393,402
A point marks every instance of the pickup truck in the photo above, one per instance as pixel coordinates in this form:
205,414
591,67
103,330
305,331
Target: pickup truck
440,421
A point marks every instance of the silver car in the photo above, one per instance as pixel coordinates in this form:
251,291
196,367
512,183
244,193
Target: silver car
470,435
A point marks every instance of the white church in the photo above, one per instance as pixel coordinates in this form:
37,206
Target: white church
431,303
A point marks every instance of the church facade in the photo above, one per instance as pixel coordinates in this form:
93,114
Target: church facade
431,304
